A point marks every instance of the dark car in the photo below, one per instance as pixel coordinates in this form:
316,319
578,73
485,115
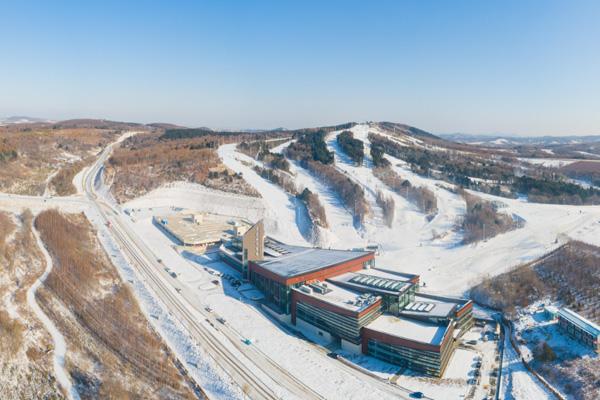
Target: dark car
333,354
417,395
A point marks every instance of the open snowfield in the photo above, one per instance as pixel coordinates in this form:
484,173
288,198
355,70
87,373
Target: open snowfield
548,162
432,249
284,215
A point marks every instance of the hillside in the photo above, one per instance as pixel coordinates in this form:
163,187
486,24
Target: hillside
38,159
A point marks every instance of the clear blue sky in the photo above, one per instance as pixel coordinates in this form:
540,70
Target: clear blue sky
523,67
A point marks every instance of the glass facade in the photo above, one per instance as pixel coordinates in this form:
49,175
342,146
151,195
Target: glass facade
276,294
428,362
394,303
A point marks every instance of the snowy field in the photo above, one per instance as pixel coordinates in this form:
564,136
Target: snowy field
196,273
431,248
205,277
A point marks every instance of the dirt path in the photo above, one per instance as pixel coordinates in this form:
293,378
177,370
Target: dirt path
60,347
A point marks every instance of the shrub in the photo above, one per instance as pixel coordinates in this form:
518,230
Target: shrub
544,353
315,208
423,198
62,182
377,154
311,146
482,220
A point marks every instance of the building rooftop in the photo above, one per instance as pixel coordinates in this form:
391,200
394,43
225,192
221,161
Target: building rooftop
410,329
338,296
433,306
200,228
289,261
579,321
389,274
375,280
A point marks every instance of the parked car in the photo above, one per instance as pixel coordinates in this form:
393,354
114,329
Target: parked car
333,354
417,395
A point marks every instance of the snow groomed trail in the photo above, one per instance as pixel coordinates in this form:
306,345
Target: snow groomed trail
60,347
285,217
341,232
434,248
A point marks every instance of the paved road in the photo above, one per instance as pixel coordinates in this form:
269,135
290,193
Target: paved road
258,375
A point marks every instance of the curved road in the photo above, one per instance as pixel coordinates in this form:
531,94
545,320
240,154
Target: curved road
257,375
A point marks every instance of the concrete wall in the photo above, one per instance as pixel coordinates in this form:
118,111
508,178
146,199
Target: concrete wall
312,331
351,347
254,242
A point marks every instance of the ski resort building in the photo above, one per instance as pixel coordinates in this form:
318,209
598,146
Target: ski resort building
396,289
340,296
276,268
421,346
334,312
438,309
579,328
286,267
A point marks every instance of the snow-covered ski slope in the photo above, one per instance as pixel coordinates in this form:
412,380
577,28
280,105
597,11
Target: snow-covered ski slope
433,248
285,216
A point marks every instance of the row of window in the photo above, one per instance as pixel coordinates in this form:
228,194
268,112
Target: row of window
342,326
429,362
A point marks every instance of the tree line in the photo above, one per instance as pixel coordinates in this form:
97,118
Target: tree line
354,148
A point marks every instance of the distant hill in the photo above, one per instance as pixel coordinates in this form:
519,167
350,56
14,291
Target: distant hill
17,119
511,141
406,129
96,123
165,125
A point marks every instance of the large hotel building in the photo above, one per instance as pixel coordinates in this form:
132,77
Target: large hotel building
341,296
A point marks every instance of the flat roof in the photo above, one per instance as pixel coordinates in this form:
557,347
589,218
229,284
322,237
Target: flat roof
426,306
410,329
388,274
579,321
210,228
339,296
288,261
374,280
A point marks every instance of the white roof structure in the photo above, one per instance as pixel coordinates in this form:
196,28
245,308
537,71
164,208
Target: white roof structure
339,296
410,329
289,261
576,319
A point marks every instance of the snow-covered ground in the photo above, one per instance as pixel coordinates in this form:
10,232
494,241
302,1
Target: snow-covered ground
306,361
200,198
200,365
432,249
548,162
517,382
285,216
60,347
